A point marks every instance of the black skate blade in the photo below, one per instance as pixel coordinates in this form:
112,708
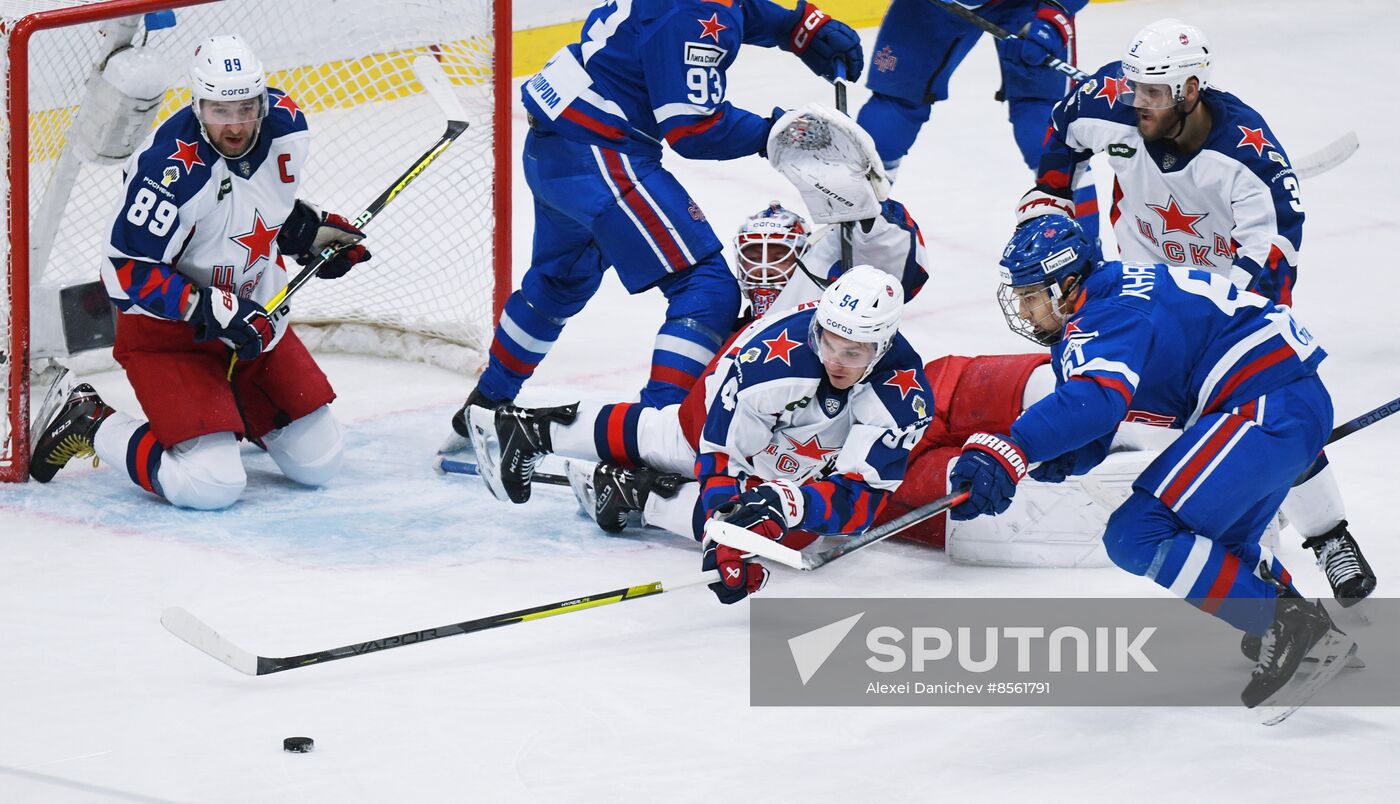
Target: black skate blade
1332,653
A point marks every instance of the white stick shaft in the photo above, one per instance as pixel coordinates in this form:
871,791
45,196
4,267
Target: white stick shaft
750,542
434,80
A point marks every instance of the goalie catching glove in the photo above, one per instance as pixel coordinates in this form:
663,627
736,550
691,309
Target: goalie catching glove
241,323
308,231
831,161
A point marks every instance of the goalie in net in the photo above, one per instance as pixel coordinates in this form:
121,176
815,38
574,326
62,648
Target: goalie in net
198,246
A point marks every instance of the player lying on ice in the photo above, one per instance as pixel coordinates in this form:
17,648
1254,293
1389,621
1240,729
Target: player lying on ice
1235,371
801,427
210,208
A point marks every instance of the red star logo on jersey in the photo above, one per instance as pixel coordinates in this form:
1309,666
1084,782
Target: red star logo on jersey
259,241
905,381
1254,137
1174,220
781,347
291,107
1113,89
711,27
187,154
811,449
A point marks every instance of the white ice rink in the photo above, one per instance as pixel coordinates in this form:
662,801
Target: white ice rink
649,699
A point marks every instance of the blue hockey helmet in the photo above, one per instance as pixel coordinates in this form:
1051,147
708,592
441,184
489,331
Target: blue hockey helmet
1042,255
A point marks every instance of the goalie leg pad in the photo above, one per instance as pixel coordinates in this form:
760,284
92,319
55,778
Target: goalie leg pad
989,393
203,473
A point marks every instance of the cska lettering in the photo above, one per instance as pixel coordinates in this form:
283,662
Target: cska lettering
1138,281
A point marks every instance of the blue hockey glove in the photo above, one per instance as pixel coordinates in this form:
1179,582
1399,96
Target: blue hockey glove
1043,38
821,41
242,323
1056,470
738,578
989,468
769,509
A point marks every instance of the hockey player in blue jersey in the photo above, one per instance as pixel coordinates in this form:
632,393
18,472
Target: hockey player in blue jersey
920,46
196,250
1134,341
645,72
1201,181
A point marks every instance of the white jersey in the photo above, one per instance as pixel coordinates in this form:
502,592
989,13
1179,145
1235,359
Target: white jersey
191,218
1232,208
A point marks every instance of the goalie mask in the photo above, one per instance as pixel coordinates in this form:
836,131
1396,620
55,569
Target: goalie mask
1044,253
855,323
768,246
228,88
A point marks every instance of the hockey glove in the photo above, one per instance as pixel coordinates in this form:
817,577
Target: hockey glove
821,42
1037,202
739,577
989,468
239,322
1043,38
769,509
308,231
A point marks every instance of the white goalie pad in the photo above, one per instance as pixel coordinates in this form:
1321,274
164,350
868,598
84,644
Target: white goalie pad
831,161
1057,524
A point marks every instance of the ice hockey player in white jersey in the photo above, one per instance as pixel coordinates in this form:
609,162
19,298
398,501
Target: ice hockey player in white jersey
1201,181
208,211
801,427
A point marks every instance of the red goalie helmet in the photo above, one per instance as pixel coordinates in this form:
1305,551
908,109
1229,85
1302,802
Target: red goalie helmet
768,246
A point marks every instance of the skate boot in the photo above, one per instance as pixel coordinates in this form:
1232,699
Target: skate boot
1340,558
68,433
510,442
460,440
618,490
1298,626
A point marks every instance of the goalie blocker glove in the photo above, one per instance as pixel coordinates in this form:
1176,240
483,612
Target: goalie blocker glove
241,323
821,41
308,231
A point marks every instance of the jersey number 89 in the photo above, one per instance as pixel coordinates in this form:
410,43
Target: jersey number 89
140,214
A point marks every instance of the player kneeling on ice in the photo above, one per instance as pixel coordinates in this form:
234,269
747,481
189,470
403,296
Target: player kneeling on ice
1231,368
800,428
196,251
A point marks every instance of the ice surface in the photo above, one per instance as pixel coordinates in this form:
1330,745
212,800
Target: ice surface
648,699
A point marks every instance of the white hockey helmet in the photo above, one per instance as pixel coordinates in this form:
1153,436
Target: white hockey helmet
862,306
227,83
1166,53
768,245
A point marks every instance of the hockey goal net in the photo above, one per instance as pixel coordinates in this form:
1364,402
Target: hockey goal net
441,266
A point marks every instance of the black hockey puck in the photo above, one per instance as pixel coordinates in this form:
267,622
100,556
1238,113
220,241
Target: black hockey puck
298,745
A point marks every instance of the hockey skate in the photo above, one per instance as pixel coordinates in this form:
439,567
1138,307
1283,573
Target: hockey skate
68,431
1300,629
460,440
1340,559
510,442
618,490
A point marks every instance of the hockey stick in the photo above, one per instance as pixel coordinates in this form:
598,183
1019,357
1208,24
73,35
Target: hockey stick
847,227
750,542
194,631
1327,157
430,75
1366,419
973,18
451,466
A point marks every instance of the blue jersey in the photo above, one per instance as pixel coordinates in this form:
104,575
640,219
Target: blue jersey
1233,207
652,70
771,415
1161,345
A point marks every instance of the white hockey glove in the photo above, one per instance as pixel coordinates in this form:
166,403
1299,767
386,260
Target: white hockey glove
831,161
1037,202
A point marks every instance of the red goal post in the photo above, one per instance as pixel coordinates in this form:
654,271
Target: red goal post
441,272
